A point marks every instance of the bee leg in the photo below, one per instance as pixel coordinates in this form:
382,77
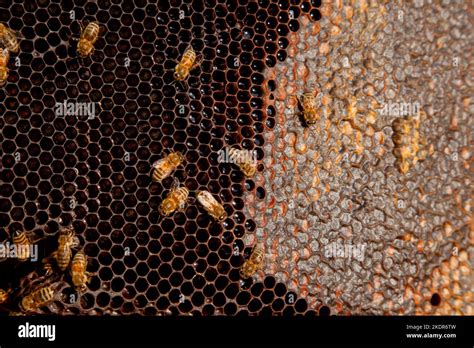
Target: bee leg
75,242
82,29
47,264
181,207
48,269
92,52
89,276
312,132
175,183
82,25
182,83
18,34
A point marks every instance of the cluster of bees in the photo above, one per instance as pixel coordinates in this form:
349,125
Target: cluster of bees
37,296
174,201
178,197
410,146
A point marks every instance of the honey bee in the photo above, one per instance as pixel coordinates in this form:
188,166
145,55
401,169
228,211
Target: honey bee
66,241
37,299
188,62
89,36
244,161
254,262
409,145
80,277
4,57
9,39
212,206
4,294
175,200
165,166
308,103
21,240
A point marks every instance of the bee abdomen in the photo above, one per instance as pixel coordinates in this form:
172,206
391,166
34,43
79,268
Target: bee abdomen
182,193
21,240
91,32
159,174
248,169
43,295
78,269
189,56
63,258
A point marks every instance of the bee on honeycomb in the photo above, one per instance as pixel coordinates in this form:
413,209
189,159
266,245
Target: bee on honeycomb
410,145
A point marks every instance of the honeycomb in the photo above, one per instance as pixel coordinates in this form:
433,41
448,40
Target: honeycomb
345,229
94,173
330,184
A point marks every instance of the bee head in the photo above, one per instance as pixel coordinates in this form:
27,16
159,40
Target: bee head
177,157
67,231
164,208
179,73
84,48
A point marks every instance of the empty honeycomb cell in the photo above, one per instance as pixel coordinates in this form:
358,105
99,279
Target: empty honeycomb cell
324,311
435,299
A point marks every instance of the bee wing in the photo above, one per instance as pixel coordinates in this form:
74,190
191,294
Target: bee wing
198,61
75,242
175,184
5,53
204,199
159,163
181,206
215,205
33,237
